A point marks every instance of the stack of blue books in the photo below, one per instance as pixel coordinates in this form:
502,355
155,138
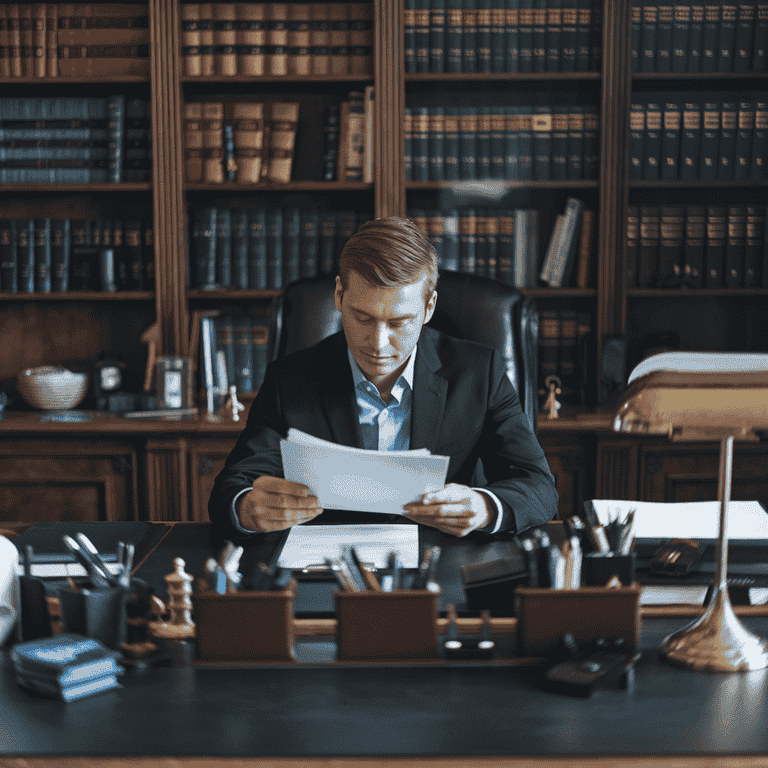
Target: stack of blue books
67,666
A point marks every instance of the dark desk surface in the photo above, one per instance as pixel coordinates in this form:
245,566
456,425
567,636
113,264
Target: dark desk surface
416,714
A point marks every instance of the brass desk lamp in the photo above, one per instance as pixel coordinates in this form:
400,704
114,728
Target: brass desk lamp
705,397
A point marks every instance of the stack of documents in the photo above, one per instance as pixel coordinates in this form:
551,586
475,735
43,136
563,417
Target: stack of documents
360,480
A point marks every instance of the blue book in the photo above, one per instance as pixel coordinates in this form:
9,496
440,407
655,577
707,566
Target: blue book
408,143
585,13
743,53
636,141
591,143
665,20
224,248
497,143
310,242
115,120
420,143
328,242
559,165
469,36
511,144
575,163
25,230
726,40
710,36
498,36
483,36
60,251
240,248
745,128
436,140
437,36
230,165
291,245
710,142
505,258
690,140
467,240
512,35
727,152
204,245
243,353
652,141
422,35
542,143
539,40
82,254
107,271
257,249
450,258
525,143
43,280
759,168
454,29
525,36
696,37
467,142
451,144
670,142
760,43
554,35
681,35
409,40
483,161
570,22
275,248
648,36
9,281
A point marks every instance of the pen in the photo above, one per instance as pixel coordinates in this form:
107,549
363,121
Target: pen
431,584
529,549
91,568
368,577
354,571
352,584
93,554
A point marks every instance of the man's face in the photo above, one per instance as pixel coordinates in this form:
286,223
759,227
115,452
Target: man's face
382,325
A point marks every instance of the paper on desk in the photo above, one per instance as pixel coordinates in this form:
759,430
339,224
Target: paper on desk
361,480
687,520
311,544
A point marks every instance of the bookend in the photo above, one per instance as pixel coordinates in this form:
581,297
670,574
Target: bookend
245,626
401,624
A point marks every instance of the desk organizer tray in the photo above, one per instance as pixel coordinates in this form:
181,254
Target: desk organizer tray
245,626
587,613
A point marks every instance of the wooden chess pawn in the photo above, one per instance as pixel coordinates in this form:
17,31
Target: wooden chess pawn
180,625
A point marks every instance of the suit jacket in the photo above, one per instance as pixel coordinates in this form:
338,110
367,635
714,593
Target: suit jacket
464,406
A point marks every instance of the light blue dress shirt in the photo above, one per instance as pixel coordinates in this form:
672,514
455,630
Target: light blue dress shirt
383,426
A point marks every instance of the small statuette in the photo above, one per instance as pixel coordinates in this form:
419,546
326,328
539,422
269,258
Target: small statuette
180,625
234,404
551,404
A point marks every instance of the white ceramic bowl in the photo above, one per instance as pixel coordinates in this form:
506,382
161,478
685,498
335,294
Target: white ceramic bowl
52,387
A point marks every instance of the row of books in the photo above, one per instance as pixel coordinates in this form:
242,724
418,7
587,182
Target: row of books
521,143
565,340
502,36
503,244
242,141
65,40
61,254
260,248
75,139
348,138
716,140
695,246
243,342
277,39
687,36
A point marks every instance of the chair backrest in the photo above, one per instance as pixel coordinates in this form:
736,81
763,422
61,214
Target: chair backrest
468,307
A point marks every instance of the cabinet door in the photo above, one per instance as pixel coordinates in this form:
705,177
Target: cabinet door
206,460
571,462
52,481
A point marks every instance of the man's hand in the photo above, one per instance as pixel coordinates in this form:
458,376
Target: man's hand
456,509
274,504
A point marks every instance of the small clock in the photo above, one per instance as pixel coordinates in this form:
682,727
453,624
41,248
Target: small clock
107,379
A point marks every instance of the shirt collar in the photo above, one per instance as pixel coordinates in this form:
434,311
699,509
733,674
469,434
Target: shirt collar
406,377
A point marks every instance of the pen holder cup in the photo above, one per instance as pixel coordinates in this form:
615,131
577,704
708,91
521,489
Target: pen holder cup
597,570
588,614
401,624
95,613
245,626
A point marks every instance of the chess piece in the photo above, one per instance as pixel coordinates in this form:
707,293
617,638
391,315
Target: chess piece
180,625
551,404
233,404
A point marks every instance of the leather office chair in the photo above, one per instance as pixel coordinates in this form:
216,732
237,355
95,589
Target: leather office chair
468,307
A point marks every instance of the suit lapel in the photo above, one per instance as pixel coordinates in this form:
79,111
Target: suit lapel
429,394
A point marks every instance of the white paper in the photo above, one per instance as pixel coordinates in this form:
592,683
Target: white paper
361,480
9,588
311,544
62,570
687,520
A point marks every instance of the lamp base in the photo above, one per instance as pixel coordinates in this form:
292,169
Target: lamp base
716,641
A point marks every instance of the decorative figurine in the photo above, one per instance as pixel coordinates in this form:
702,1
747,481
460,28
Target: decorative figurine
180,625
233,404
551,404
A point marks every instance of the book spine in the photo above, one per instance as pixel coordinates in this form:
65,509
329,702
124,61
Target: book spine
636,141
670,142
715,246
511,143
696,39
190,39
671,231
224,39
575,161
583,34
632,245
148,255
131,255
260,340
107,269
242,347
408,143
115,121
230,166
483,36
240,248
42,230
320,39
539,40
345,228
25,229
690,139
481,243
585,248
204,243
291,245
451,247
309,243
469,36
710,37
554,35
257,249
192,128
542,143
591,143
760,143
745,130
664,33
559,165
754,246
247,123
726,36
498,36
652,141
483,143
453,36
648,254
283,123
275,248
224,247
467,142
451,142
14,38
693,249
736,232
299,33
277,39
420,144
52,40
422,35
467,240
207,40
60,251
512,35
497,143
435,234
567,245
727,149
213,142
27,29
525,36
570,21
681,35
760,44
224,343
251,39
743,53
5,54
525,143
505,261
436,141
437,23
550,255
710,142
328,242
531,232
409,32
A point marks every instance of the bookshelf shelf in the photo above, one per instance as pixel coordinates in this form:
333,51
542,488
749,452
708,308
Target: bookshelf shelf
562,293
689,77
75,80
572,184
80,296
696,184
346,78
233,293
677,293
291,186
484,77
123,186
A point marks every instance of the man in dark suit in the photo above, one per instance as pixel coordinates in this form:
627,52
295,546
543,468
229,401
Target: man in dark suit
388,383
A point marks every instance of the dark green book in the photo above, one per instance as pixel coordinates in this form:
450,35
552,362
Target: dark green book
436,144
240,249
636,141
648,36
632,245
648,253
512,35
483,144
60,253
467,240
408,143
690,139
575,163
9,282
696,37
225,342
224,248
759,168
82,255
204,246
422,35
596,37
681,35
25,230
671,238
695,242
328,242
243,353
481,242
43,279
525,143
498,36
559,143
539,36
670,141
492,244
554,35
584,16
467,142
409,36
727,151
275,248
525,36
726,39
652,141
754,246
260,342
745,129
735,242
760,43
310,242
420,143
497,143
591,143
570,22
291,245
257,248
451,152
635,27
437,35
710,141
454,36
469,36
132,254
483,36
665,21
743,53
714,254
505,252
710,36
